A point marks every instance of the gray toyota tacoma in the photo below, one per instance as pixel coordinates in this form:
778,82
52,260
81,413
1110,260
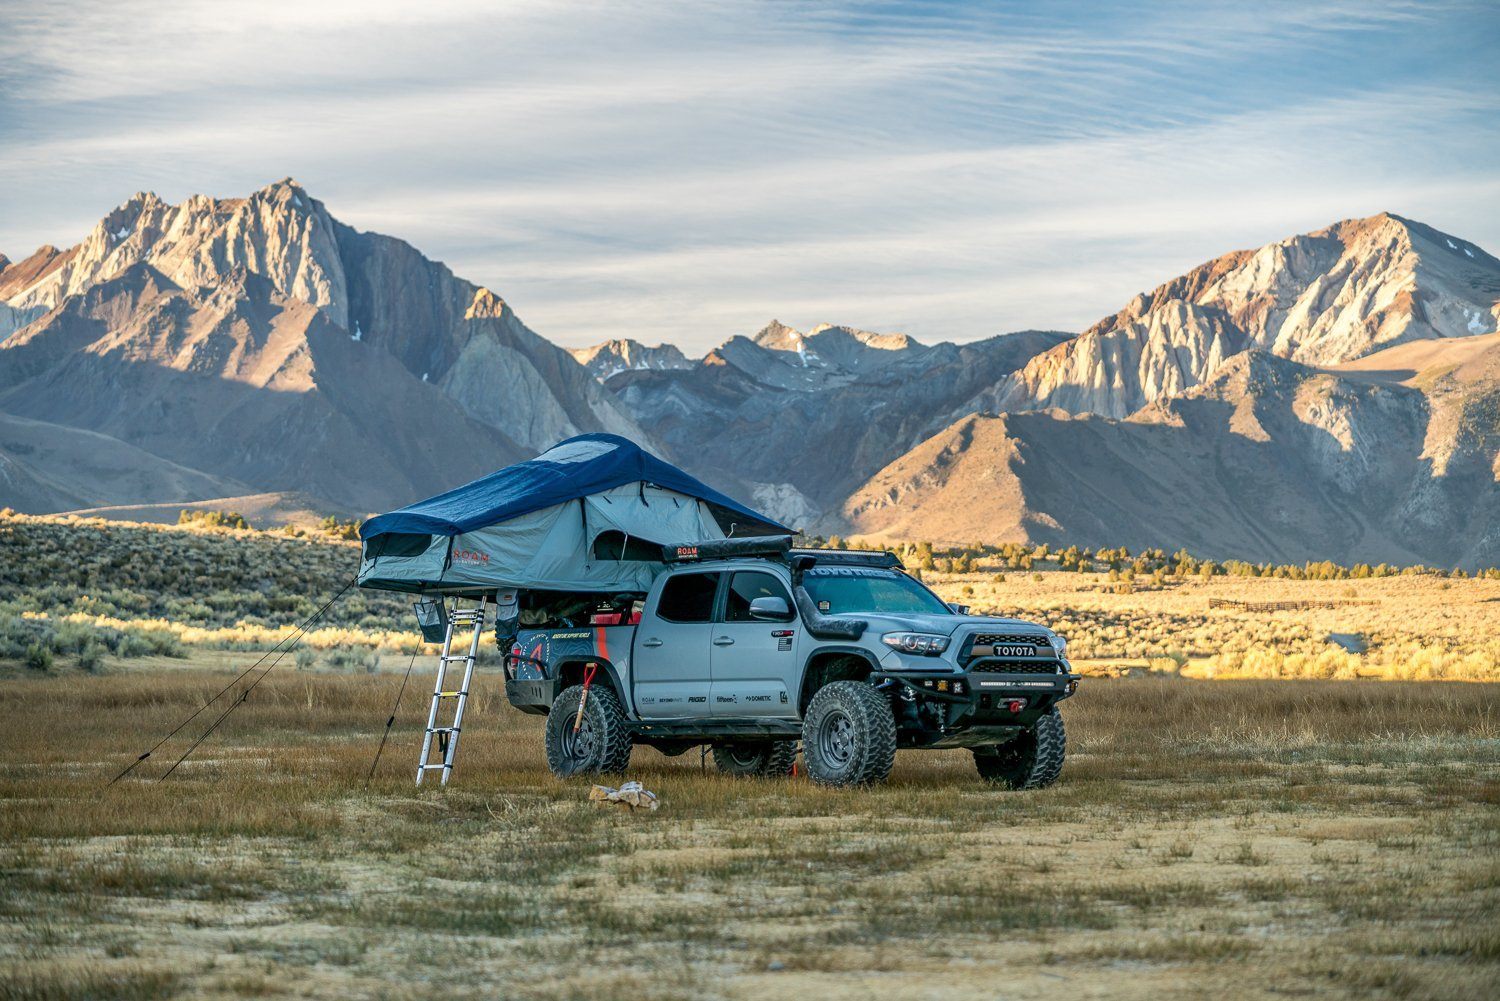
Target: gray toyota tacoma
752,647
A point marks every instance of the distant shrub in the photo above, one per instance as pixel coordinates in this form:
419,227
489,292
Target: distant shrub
214,519
91,658
39,657
332,526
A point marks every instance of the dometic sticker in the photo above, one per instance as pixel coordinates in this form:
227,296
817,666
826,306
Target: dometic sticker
757,698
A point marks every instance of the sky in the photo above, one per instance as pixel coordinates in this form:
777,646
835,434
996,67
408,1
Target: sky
687,171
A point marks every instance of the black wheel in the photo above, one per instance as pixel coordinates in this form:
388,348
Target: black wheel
849,735
772,758
1033,760
601,744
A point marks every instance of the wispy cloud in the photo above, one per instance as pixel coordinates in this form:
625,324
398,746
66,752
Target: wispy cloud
685,171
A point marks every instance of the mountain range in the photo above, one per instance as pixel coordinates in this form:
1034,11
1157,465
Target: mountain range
1332,395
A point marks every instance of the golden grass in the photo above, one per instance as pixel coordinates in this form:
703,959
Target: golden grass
1415,627
217,588
1235,838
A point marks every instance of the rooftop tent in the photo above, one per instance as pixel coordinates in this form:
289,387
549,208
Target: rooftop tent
588,514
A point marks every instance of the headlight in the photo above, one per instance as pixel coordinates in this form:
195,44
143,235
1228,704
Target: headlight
1060,644
924,644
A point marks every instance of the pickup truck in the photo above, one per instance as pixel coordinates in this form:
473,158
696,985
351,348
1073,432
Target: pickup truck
753,647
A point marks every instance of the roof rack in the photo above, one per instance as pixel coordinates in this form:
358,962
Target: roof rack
777,547
846,558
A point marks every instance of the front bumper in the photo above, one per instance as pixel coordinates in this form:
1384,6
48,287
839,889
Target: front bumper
977,707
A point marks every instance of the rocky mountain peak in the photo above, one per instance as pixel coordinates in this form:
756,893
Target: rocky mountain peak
485,304
612,357
1320,298
777,336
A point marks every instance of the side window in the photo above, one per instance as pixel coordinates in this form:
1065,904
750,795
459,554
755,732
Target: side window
746,587
688,597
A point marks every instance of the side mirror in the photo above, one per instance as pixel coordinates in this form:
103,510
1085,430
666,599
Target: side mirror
958,609
770,608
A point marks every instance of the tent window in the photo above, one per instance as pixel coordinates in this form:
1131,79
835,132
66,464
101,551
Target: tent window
397,544
614,545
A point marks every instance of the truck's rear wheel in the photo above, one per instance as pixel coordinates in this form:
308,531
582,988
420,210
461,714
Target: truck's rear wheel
773,758
849,735
1033,760
601,743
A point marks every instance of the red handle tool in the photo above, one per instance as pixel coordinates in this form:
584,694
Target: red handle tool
583,700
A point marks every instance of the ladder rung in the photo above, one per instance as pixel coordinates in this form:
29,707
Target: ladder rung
456,657
431,768
443,729
448,695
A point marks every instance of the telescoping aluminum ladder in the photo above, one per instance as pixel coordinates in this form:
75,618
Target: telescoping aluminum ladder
447,736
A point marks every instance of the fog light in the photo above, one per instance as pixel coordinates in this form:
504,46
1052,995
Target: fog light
1016,705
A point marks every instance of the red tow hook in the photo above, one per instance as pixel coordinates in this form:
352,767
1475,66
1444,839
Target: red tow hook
583,700
1016,705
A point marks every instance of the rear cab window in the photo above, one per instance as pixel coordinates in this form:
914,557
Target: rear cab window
688,597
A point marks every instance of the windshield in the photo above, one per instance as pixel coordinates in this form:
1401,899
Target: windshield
841,591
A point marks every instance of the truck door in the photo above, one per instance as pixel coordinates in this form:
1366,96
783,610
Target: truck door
671,662
754,661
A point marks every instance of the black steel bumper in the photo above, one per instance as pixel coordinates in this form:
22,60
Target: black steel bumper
979,707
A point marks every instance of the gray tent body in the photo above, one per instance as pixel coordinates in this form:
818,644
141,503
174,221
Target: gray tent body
560,522
554,548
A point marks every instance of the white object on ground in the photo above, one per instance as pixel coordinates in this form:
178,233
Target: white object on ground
631,795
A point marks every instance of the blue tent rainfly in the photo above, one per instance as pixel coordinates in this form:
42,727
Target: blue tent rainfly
589,514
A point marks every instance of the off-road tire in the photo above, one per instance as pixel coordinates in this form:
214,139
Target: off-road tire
765,758
849,735
602,745
1033,760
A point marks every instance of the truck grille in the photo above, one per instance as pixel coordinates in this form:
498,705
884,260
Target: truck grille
1012,639
1018,667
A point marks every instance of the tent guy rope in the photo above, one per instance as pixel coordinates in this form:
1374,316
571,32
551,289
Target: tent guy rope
294,637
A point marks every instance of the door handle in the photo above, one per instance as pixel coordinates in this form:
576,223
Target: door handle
723,641
653,641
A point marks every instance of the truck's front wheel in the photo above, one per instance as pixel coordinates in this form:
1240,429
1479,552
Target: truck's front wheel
849,735
601,743
1033,760
772,758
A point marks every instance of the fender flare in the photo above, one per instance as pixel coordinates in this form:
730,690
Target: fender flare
610,671
838,648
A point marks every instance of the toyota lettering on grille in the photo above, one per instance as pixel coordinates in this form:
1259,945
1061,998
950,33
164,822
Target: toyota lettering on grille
1006,650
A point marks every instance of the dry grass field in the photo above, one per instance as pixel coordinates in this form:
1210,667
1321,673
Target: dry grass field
1275,788
1329,839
